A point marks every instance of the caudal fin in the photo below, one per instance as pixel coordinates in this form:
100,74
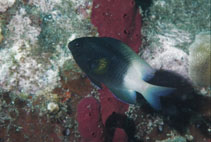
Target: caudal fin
153,93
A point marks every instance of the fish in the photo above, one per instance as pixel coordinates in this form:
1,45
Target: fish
111,62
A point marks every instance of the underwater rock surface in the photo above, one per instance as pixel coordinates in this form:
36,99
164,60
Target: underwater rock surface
34,47
168,31
42,89
5,4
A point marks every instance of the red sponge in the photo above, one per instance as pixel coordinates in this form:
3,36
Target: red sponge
89,120
119,19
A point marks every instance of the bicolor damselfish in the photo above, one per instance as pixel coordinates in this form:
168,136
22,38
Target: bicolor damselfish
111,62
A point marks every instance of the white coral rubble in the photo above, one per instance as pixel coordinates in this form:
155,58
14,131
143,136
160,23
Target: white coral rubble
5,4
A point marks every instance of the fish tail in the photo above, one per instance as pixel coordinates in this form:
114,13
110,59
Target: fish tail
152,94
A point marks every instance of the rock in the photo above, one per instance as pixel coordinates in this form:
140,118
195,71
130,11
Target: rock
5,4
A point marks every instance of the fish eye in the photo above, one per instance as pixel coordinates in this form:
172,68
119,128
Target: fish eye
76,44
73,44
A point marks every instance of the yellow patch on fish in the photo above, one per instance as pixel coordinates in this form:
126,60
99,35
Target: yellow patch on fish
102,66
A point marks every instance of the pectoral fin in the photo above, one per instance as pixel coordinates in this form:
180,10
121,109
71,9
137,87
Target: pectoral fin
127,96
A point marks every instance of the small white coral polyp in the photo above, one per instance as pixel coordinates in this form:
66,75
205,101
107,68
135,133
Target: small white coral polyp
199,60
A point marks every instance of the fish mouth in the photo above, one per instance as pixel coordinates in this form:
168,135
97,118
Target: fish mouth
70,45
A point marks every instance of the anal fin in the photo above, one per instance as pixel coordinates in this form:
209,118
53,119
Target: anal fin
153,93
124,95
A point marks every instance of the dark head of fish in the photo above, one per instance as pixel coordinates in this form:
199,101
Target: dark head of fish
89,52
83,47
85,50
79,50
76,46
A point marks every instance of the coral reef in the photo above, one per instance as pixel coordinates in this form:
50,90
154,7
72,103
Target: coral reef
20,28
167,37
175,24
17,122
167,58
200,60
35,37
44,95
33,67
169,25
5,4
21,72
